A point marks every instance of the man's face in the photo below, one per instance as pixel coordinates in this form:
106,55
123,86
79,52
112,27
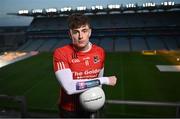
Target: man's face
80,37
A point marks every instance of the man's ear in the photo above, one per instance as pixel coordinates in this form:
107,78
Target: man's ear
89,33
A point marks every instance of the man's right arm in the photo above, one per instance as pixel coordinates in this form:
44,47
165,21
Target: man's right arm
73,86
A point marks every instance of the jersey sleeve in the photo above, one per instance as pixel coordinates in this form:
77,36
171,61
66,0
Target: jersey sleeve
60,60
101,73
75,86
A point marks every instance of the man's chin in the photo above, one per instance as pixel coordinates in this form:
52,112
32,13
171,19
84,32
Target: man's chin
80,47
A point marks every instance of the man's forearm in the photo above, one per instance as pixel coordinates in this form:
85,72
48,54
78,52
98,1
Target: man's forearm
73,86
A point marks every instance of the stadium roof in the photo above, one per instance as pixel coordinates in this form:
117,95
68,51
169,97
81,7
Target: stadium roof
95,10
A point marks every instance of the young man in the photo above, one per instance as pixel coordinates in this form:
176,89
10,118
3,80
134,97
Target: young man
78,67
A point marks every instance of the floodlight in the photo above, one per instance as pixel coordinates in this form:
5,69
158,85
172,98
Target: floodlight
81,8
98,7
51,10
65,9
169,3
114,6
149,4
37,11
23,12
130,5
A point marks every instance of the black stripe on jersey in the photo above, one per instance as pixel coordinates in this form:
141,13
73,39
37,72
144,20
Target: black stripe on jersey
74,55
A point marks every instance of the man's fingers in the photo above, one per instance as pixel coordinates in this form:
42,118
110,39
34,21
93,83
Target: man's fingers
112,80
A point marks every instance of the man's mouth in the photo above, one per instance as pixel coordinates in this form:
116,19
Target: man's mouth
81,42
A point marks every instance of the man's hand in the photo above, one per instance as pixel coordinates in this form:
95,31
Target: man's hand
112,80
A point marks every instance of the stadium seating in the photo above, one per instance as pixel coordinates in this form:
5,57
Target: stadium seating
48,45
122,44
21,48
95,41
107,44
155,43
114,32
47,24
170,42
61,43
138,44
34,45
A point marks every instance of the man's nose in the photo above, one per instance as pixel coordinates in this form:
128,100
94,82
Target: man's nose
80,35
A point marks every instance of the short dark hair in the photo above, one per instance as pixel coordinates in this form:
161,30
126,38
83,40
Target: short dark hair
76,20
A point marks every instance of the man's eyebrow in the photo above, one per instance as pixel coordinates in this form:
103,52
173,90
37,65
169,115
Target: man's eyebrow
85,29
79,30
75,30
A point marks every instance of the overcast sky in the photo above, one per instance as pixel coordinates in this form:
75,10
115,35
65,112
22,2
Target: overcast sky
12,6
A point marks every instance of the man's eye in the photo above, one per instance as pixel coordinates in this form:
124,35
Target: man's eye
85,31
75,32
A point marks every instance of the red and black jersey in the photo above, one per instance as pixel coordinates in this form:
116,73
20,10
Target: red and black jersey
84,65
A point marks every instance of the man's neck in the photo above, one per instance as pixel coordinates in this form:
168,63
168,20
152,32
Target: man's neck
85,49
88,47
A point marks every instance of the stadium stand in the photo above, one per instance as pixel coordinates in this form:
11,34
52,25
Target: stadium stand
34,45
129,31
61,43
113,26
170,42
138,44
95,41
48,23
122,44
24,45
178,42
48,45
12,37
107,44
155,43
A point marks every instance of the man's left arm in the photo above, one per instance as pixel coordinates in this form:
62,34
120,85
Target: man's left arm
101,73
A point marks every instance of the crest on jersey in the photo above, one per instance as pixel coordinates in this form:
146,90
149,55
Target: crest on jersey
86,60
96,59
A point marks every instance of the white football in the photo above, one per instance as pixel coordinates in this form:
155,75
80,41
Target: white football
92,99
